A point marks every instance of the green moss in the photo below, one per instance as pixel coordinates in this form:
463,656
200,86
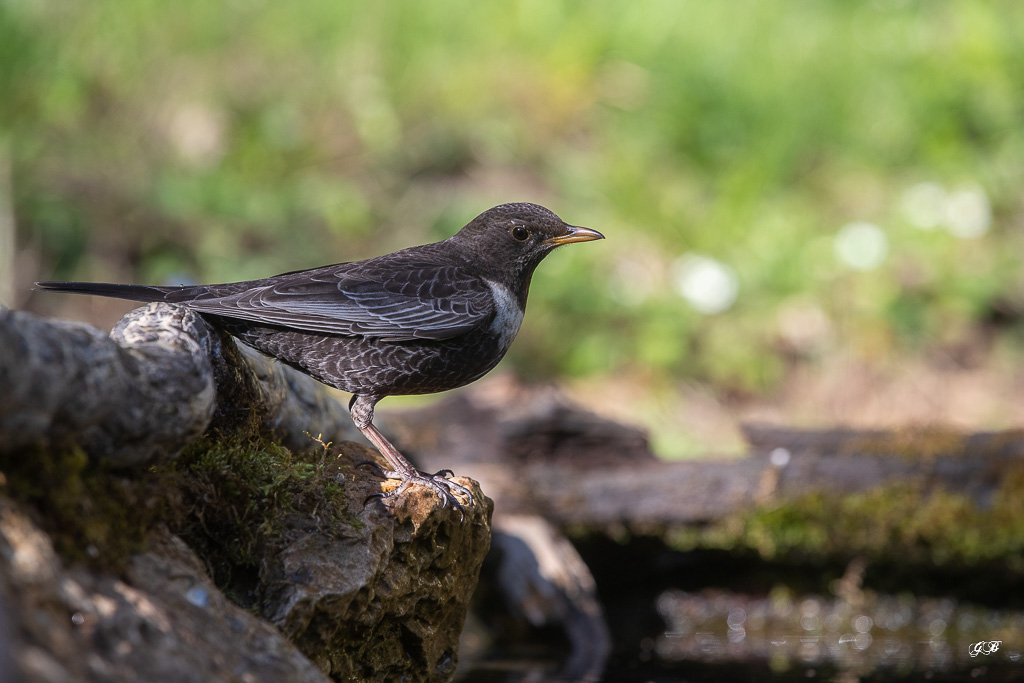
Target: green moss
913,442
900,520
92,513
226,499
235,498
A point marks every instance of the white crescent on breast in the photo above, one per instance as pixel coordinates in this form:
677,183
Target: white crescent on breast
508,314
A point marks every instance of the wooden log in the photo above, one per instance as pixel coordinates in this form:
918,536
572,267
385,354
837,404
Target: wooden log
543,455
159,380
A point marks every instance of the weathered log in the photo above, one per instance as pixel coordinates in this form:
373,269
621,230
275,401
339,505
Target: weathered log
545,456
365,592
160,379
845,461
141,396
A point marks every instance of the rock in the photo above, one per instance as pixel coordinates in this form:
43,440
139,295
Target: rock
385,599
346,586
163,620
380,597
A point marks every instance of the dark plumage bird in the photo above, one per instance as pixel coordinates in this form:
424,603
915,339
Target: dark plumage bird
416,321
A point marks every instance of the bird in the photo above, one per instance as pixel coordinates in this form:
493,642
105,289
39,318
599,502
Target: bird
420,320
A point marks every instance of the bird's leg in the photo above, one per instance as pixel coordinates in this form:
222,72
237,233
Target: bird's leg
361,410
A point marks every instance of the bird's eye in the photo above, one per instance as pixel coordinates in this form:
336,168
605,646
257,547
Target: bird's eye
520,233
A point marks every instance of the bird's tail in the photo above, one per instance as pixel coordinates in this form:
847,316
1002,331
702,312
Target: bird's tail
132,292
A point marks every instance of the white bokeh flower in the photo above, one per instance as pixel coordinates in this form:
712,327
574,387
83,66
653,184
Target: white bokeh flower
968,213
861,245
924,205
708,285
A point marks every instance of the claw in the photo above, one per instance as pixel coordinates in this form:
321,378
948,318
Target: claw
441,477
444,488
371,463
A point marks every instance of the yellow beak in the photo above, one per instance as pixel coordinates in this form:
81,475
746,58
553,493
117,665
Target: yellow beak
575,234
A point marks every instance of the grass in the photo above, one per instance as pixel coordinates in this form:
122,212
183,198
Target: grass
189,142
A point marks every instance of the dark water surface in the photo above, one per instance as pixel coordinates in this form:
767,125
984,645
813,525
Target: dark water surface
716,635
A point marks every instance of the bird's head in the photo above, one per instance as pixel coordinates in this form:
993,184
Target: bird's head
513,238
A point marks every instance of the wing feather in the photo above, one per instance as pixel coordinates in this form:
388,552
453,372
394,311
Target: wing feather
426,302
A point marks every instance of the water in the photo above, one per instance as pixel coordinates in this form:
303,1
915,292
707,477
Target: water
719,635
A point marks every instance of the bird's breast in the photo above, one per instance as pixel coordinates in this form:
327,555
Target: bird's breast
508,315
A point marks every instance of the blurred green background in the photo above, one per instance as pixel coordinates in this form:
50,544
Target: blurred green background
779,182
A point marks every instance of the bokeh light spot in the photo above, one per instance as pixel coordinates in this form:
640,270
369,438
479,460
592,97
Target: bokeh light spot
968,213
708,285
861,245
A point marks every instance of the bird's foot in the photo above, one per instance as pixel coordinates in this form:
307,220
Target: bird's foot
438,482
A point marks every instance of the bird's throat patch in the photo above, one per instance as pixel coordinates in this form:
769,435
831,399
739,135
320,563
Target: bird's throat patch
508,315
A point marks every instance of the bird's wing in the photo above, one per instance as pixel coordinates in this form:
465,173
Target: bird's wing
427,301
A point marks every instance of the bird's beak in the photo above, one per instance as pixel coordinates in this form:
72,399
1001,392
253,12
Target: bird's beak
575,234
